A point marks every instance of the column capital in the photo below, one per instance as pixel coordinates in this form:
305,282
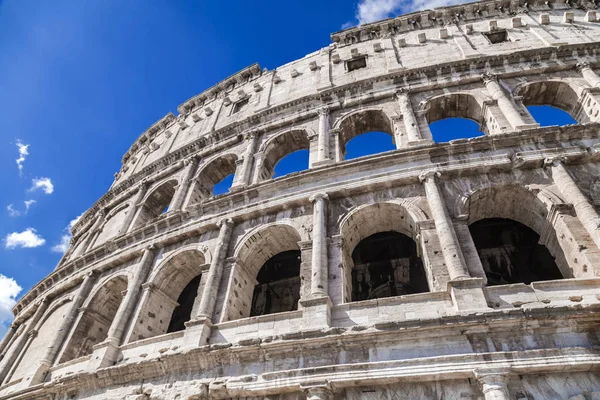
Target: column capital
317,391
493,379
225,221
580,66
323,111
148,286
431,174
489,77
318,196
334,131
553,161
191,159
402,92
150,247
251,135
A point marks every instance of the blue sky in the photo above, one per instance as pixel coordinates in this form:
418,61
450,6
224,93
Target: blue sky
80,80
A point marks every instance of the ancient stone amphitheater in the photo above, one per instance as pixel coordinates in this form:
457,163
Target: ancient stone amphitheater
460,270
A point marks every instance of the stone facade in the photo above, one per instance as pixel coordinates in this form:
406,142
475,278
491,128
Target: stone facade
148,304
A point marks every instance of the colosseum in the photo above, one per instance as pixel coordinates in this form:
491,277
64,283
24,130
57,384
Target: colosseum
461,270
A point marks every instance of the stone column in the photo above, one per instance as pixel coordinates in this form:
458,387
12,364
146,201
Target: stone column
410,120
93,232
318,285
66,325
504,102
208,297
190,168
338,151
126,308
493,384
572,194
246,167
134,205
12,329
17,347
453,256
317,391
323,138
588,73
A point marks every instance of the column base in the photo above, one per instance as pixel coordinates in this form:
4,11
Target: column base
105,354
197,332
322,163
316,312
39,376
419,142
526,126
467,294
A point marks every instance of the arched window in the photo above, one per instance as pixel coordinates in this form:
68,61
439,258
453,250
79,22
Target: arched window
386,264
214,178
510,252
156,203
266,279
168,302
278,287
97,318
285,153
365,132
454,116
557,97
379,253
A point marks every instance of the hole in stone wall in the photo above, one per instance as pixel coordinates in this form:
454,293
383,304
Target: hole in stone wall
550,116
369,143
510,252
448,129
293,162
356,63
238,106
498,36
386,264
278,288
183,311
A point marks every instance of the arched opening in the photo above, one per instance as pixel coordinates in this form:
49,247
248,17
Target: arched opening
214,178
558,95
367,130
520,206
379,253
454,116
510,252
168,301
386,264
550,116
266,279
278,288
156,203
97,318
284,154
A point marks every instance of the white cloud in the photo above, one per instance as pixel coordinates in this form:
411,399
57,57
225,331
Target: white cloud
42,183
28,203
65,239
23,153
9,290
28,238
12,212
375,10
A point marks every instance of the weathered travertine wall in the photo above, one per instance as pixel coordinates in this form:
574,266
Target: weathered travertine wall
96,327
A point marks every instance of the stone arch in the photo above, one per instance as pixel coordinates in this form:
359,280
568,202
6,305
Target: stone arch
98,313
254,251
555,93
355,123
279,146
525,206
368,220
156,201
113,223
454,105
212,172
170,294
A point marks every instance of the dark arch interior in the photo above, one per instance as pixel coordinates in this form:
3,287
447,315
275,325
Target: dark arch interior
183,311
386,264
510,252
278,287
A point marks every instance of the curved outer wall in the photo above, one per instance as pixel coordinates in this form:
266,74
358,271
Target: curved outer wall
95,328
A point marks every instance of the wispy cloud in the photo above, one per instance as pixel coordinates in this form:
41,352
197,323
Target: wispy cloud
11,211
375,10
9,290
28,203
65,239
26,239
23,153
42,183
